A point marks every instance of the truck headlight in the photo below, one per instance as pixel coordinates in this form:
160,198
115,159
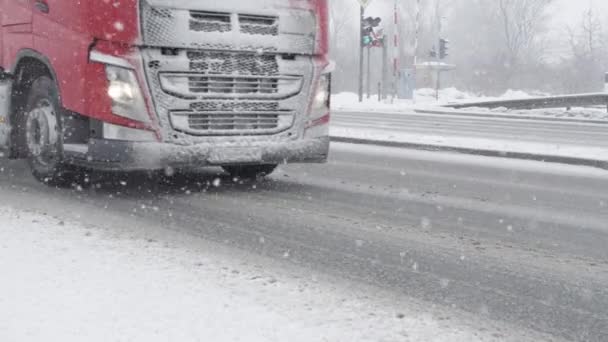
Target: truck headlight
127,99
318,120
323,94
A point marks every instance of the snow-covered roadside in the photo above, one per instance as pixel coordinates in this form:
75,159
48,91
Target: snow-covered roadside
68,281
560,113
425,100
477,144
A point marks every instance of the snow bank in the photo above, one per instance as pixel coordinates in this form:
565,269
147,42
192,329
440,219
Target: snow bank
425,96
573,113
65,281
425,99
514,94
350,101
473,143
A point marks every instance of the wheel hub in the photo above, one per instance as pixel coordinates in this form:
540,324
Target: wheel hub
41,132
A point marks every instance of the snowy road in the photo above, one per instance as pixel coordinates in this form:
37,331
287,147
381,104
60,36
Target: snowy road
520,242
534,131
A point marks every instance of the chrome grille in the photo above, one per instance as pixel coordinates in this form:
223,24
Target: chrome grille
198,85
201,21
228,75
232,118
234,106
233,85
257,24
226,121
163,13
226,63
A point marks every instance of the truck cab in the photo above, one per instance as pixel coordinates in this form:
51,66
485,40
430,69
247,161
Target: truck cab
156,84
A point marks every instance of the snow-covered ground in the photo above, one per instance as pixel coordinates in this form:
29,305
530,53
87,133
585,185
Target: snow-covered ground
498,130
425,100
70,281
574,113
473,143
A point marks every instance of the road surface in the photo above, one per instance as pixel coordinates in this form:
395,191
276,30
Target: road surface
516,241
470,126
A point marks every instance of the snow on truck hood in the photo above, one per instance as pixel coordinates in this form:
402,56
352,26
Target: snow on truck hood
229,5
263,25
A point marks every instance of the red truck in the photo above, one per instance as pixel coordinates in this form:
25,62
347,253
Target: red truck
124,85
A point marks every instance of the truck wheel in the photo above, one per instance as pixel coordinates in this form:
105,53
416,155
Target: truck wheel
249,171
44,135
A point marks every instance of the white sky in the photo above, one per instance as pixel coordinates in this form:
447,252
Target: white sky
569,12
564,12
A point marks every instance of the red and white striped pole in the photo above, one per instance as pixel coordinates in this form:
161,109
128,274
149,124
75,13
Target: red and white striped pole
396,49
416,43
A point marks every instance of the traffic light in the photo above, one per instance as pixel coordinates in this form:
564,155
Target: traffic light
368,36
379,42
443,48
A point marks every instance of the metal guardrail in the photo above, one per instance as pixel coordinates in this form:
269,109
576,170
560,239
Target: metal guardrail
565,101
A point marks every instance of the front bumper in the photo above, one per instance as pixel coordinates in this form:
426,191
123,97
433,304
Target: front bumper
113,155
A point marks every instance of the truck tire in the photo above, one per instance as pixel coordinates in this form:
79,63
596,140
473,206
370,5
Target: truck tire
43,134
250,171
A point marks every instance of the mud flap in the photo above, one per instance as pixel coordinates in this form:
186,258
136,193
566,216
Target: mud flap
5,96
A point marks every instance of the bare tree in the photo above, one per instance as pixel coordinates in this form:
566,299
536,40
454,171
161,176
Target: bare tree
497,44
584,66
522,21
342,21
586,40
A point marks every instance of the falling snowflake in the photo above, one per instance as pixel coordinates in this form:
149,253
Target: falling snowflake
425,223
169,171
119,26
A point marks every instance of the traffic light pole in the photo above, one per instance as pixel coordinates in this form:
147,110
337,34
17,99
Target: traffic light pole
368,78
438,85
361,55
438,81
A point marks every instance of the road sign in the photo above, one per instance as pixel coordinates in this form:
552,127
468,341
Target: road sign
365,3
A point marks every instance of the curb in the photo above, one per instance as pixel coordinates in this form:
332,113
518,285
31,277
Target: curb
601,164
